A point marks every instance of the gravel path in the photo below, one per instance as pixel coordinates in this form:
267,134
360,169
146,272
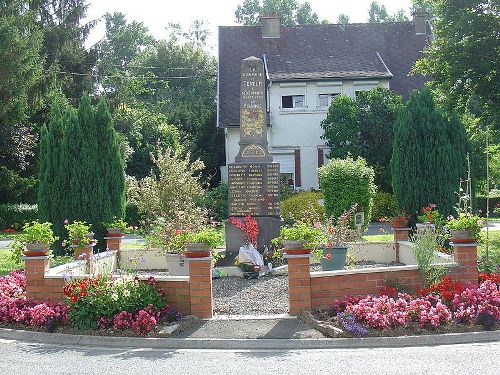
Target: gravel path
237,296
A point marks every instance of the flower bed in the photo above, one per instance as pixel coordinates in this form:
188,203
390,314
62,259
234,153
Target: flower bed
445,307
112,305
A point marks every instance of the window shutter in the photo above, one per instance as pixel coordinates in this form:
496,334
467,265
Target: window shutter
298,182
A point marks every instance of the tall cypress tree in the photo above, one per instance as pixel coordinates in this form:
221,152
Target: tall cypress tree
429,156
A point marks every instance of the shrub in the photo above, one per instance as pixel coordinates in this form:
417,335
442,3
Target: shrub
481,205
297,206
215,202
384,205
346,182
16,215
15,188
428,158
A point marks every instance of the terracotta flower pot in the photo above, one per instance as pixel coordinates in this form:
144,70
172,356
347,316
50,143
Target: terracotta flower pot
197,250
461,236
399,223
293,244
36,250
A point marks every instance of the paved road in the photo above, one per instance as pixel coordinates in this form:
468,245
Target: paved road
25,358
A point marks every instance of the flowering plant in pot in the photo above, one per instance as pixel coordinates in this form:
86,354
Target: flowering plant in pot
400,220
430,214
299,238
79,234
36,239
116,227
336,234
199,243
466,227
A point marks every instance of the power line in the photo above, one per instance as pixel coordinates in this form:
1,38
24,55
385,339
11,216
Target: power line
131,77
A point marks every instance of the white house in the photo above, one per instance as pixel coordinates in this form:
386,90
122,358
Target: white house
306,66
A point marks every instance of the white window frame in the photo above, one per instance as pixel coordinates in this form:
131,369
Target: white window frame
295,90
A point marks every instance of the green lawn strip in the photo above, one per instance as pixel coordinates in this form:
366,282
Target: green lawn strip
379,238
493,245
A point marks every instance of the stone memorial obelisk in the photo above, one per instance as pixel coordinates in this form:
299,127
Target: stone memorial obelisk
253,179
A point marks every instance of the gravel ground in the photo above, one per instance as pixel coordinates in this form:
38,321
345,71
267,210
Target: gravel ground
237,296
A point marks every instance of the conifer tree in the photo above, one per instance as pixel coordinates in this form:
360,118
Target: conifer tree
429,156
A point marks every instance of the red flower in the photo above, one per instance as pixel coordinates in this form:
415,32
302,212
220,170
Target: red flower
74,298
429,216
83,293
177,232
328,256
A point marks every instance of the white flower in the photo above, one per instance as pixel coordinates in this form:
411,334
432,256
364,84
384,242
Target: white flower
126,293
114,297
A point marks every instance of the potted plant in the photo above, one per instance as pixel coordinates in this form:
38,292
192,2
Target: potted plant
115,228
337,233
466,228
401,220
80,238
298,238
36,239
199,243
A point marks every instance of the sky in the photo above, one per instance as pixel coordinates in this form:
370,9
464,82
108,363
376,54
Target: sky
156,14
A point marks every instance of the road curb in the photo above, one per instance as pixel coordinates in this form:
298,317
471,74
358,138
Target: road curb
232,344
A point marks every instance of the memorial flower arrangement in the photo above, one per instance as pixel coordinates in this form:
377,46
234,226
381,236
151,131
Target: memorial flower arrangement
249,226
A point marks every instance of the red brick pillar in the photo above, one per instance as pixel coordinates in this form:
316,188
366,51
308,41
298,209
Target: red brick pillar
114,242
299,283
466,256
83,253
401,234
200,286
36,268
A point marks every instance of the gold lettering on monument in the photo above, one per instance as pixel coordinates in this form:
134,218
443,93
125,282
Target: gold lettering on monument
252,122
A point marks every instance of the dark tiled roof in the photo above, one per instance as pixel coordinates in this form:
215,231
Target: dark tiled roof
312,52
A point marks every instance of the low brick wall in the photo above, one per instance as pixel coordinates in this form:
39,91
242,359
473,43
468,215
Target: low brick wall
189,294
317,290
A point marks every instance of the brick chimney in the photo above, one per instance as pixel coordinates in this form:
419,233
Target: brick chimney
270,24
420,20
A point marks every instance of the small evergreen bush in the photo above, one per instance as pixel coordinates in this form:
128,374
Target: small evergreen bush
346,182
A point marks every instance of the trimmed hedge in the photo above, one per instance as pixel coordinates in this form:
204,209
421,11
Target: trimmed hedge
481,205
293,207
384,205
346,182
16,215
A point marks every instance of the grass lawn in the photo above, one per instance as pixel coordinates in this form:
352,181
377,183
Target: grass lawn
10,235
493,248
379,238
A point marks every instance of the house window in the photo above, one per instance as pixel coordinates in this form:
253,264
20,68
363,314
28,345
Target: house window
326,99
292,101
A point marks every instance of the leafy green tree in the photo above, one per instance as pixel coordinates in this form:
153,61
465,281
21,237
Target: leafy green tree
343,19
429,156
377,113
378,13
364,127
341,128
291,12
463,58
21,71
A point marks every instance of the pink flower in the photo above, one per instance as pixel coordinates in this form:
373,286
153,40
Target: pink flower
66,221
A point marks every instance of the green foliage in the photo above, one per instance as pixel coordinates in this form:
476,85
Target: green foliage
15,188
346,182
468,222
341,128
291,12
132,215
78,233
489,260
216,202
116,223
299,231
429,156
297,206
384,205
16,215
425,245
364,127
481,205
208,236
89,187
36,232
464,31
91,299
378,13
